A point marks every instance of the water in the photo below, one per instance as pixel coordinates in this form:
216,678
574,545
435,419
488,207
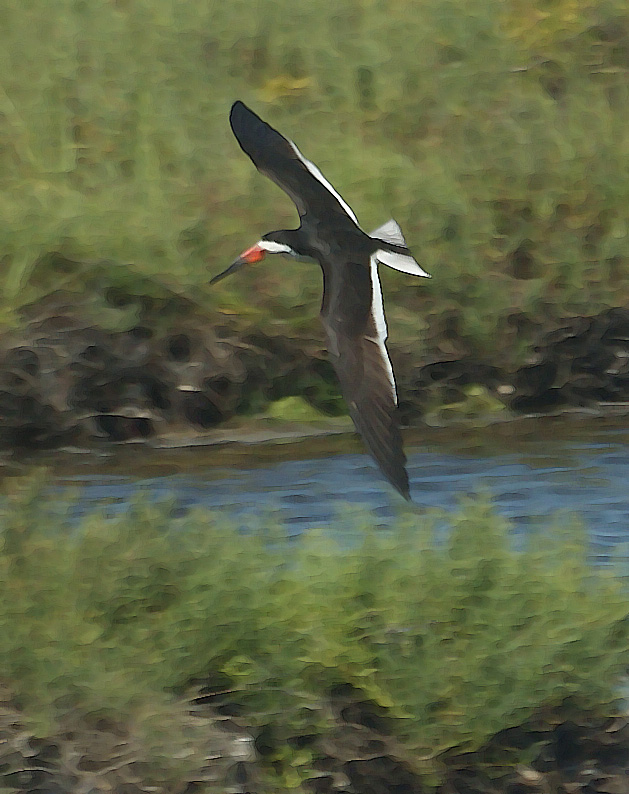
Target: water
534,470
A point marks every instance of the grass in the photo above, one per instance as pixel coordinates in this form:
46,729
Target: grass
495,132
448,642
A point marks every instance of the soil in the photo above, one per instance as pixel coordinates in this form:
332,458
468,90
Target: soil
566,751
64,379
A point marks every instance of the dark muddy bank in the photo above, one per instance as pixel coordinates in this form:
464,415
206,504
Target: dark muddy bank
66,379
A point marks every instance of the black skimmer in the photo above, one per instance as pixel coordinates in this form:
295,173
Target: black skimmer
352,311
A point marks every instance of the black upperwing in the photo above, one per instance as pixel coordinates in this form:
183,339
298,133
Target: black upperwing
362,364
279,159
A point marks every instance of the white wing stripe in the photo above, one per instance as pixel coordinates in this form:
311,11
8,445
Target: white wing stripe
318,175
377,312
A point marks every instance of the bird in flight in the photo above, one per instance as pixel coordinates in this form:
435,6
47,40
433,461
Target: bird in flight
352,311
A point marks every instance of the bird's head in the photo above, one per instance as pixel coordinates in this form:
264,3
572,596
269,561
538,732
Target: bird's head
271,243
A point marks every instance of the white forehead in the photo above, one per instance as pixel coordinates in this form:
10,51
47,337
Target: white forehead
274,248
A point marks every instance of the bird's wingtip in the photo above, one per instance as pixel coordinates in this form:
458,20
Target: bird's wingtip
240,115
405,494
240,107
236,107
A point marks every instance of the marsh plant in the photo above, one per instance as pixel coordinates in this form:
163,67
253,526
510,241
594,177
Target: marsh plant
494,131
446,627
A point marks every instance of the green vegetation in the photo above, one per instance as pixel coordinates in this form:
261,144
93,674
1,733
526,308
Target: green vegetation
447,643
495,131
479,406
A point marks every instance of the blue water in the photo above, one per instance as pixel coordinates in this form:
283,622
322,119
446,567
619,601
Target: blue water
535,472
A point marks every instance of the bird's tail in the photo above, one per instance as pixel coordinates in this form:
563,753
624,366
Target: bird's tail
403,261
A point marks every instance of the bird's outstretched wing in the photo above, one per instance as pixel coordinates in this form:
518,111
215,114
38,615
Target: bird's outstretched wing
279,159
353,317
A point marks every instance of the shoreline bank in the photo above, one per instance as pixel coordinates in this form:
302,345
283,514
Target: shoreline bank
67,380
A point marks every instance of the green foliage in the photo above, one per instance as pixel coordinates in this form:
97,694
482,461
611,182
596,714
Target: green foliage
453,641
293,409
479,406
495,132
